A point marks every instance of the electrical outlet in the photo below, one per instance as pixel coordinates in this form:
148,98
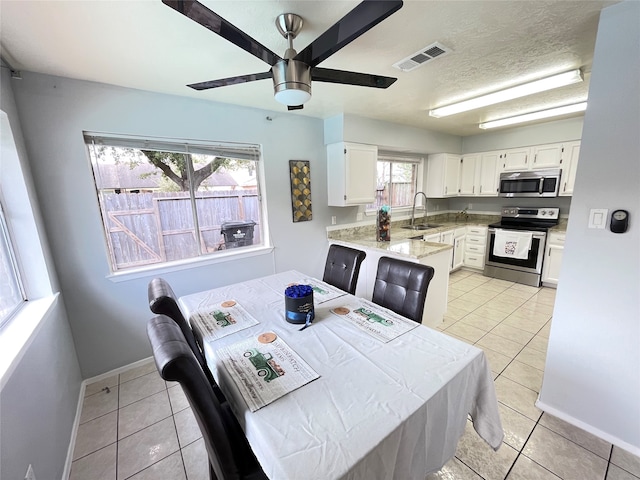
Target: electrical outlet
470,207
359,216
30,475
333,220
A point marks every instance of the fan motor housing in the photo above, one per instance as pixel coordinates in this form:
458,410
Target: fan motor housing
292,75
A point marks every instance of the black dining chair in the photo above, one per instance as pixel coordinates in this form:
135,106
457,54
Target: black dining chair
229,452
402,286
163,301
343,267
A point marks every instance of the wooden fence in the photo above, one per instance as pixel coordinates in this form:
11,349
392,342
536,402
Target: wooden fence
147,228
401,193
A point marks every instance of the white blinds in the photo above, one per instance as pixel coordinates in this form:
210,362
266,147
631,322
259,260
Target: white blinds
239,151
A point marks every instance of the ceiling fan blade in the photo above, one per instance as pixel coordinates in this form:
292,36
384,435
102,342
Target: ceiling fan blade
351,78
230,81
362,18
214,22
295,107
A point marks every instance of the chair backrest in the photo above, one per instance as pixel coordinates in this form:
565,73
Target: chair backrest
402,286
343,267
163,301
230,456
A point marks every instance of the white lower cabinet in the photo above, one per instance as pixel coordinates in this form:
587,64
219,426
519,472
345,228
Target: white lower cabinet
458,253
474,247
447,237
553,259
455,238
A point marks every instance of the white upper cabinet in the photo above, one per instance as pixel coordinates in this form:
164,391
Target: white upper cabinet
351,174
488,174
569,165
546,156
516,159
469,165
443,173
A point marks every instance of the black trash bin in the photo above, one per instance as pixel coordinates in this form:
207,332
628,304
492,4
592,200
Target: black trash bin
238,234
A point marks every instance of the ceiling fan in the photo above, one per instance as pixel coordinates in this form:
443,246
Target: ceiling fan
292,74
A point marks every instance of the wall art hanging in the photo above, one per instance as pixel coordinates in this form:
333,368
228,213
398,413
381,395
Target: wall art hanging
300,176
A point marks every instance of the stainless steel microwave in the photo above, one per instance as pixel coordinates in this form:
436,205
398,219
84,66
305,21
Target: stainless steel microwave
532,183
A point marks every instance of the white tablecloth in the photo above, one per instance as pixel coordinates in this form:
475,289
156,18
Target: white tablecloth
391,410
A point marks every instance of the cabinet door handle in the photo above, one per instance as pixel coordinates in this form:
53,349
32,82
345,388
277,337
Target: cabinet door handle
535,159
564,189
549,253
526,157
473,189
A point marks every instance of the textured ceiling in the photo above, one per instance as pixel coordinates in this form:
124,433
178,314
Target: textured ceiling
147,45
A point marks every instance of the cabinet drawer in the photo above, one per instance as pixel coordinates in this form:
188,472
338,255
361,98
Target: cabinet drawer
482,231
474,249
557,238
473,260
476,240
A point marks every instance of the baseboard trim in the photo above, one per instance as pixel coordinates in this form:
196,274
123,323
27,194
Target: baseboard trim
76,422
588,428
74,433
116,371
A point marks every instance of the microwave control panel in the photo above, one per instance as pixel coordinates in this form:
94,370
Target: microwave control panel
547,213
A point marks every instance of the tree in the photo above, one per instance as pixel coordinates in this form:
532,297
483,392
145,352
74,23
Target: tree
174,167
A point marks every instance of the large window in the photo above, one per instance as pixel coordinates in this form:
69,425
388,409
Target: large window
167,201
11,291
397,182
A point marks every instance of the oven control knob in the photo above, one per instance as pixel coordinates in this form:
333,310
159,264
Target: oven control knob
543,212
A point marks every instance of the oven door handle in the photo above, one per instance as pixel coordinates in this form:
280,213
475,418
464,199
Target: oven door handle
540,235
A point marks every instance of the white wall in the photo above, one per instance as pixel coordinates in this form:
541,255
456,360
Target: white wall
592,373
390,136
108,319
39,392
549,132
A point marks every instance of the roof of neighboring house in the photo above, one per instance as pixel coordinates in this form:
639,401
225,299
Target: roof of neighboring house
148,176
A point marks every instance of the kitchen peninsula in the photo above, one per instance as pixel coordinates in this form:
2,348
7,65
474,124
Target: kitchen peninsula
408,245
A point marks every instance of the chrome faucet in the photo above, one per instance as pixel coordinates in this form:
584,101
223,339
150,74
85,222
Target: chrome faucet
413,210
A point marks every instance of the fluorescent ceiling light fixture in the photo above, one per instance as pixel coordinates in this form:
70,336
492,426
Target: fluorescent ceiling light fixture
549,83
529,117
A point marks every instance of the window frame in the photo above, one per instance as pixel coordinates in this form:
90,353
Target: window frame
14,266
393,157
244,151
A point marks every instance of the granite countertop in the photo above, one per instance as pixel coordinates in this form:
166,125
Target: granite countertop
561,227
401,238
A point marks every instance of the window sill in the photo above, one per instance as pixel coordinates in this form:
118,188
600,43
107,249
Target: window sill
402,211
20,331
225,256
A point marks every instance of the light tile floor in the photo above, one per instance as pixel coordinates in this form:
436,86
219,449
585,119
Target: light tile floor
136,426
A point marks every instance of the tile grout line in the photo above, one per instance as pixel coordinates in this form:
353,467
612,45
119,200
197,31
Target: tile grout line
540,416
117,428
175,425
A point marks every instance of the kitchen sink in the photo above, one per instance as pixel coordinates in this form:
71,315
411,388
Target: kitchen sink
424,226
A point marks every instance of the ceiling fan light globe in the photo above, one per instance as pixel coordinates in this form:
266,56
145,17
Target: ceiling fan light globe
292,94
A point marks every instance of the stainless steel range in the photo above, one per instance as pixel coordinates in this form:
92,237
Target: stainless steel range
524,266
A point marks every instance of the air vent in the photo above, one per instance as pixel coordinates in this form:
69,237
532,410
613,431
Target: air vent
422,56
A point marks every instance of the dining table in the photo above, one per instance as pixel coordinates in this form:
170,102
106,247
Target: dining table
361,393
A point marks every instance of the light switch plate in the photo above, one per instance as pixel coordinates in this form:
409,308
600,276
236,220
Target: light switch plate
598,217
